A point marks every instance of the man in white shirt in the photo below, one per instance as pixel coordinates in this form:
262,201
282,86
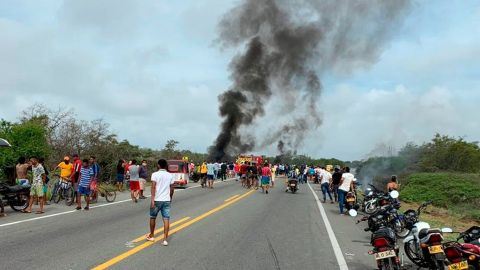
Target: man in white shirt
346,184
325,182
162,191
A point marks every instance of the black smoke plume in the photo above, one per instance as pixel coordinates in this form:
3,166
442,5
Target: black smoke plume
288,46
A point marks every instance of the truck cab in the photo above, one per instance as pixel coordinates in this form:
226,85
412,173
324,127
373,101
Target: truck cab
180,171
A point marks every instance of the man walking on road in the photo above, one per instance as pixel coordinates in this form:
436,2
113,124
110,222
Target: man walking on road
210,174
346,184
143,178
266,174
162,190
223,171
325,182
336,178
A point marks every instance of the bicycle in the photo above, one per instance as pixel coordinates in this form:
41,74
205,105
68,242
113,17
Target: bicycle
62,190
106,190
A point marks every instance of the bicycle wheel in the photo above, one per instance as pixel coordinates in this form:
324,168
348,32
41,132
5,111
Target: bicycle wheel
110,196
68,195
57,195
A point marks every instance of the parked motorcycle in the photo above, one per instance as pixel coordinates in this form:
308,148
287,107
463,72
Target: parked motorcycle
351,201
383,240
374,199
423,246
464,255
16,197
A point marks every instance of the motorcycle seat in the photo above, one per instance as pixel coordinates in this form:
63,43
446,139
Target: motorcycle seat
424,232
386,233
18,188
472,248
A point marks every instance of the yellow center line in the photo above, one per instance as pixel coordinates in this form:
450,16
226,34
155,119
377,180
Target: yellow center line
231,198
140,238
137,249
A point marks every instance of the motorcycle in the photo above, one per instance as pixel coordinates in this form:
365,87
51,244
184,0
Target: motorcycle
351,201
374,199
423,246
383,240
292,185
464,255
16,197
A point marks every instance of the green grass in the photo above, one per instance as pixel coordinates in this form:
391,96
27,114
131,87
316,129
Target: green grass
458,193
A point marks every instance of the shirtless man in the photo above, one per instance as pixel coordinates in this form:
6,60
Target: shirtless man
21,171
392,185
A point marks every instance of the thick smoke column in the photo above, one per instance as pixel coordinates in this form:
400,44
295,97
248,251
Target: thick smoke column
288,45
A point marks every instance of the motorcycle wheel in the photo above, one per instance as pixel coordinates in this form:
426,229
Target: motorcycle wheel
370,208
68,195
110,196
21,202
439,264
417,259
400,230
386,265
294,190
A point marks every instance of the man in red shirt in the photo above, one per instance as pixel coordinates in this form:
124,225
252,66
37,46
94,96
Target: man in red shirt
77,166
236,169
243,174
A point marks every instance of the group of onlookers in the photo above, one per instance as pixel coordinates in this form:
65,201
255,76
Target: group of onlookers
211,171
136,175
337,184
81,174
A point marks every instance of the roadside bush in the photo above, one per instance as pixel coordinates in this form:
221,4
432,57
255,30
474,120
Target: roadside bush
457,192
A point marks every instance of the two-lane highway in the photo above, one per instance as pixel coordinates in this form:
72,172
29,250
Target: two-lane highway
228,227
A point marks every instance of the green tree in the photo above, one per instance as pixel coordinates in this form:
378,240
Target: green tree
169,151
27,139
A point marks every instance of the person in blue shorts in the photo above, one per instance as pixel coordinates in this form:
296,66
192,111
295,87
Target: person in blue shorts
85,177
162,192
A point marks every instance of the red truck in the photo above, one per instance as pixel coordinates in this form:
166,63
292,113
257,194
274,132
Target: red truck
180,171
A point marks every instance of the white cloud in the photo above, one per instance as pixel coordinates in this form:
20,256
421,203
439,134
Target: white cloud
355,121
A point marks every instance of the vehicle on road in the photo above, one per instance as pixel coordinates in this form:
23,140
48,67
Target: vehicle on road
383,239
351,201
16,197
292,185
180,172
464,255
374,199
423,246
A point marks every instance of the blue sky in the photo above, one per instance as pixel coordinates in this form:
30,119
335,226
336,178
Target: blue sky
152,70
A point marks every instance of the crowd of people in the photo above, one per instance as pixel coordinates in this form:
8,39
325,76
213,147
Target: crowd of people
334,184
136,175
81,174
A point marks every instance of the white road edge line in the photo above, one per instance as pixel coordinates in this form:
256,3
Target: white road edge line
96,206
333,240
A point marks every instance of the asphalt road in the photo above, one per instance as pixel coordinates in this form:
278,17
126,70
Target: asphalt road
225,228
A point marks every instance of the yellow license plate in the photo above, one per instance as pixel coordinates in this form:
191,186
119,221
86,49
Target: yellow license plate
350,200
384,254
458,266
435,249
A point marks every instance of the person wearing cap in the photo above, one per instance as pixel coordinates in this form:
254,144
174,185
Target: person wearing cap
66,169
